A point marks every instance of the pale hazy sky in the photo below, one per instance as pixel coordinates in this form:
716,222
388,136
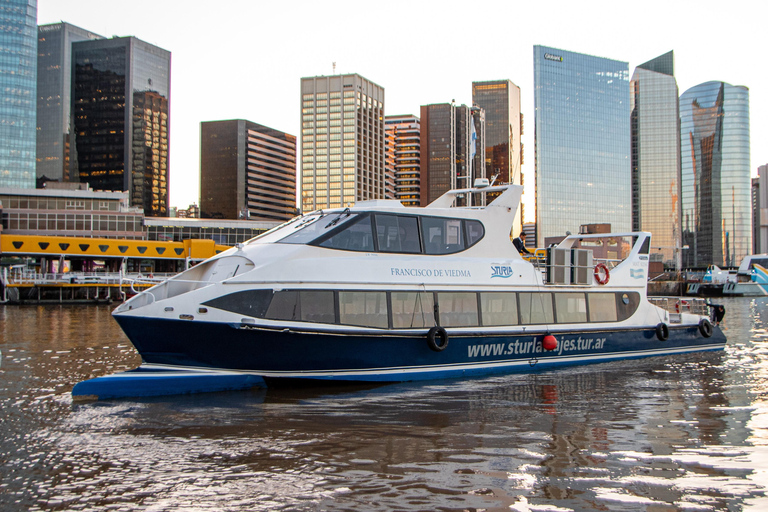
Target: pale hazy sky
243,59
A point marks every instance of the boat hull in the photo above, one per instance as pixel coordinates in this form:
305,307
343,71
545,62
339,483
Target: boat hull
386,356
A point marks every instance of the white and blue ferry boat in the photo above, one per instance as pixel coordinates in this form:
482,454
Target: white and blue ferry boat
380,292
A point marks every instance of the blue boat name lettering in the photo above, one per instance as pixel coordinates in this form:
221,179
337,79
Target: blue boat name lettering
428,272
636,273
454,273
534,347
412,272
501,271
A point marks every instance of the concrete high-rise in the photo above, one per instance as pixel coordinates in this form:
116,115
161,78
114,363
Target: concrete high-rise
452,149
18,85
760,211
404,146
121,119
656,157
582,133
716,191
247,171
500,99
342,141
54,87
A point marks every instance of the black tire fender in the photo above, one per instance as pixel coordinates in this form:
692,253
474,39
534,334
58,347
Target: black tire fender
705,328
432,339
662,331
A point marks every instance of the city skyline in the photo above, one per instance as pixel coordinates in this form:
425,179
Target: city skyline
210,81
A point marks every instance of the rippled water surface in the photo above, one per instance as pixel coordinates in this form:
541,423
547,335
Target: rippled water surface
675,433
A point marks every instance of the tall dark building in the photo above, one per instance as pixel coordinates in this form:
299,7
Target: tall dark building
500,99
404,157
120,119
247,171
54,86
452,149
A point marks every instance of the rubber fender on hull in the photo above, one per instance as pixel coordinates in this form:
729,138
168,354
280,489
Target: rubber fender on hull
432,339
662,331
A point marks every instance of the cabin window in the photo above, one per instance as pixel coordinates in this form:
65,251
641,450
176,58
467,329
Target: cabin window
247,303
442,236
396,233
304,305
602,307
366,309
317,306
412,309
475,232
571,308
356,237
536,308
498,308
457,309
314,226
627,305
284,306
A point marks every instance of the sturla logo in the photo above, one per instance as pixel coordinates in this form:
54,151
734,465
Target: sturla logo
501,271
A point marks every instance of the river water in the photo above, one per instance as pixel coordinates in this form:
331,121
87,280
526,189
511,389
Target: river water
661,434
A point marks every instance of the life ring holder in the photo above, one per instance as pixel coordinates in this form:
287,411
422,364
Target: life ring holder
602,274
432,336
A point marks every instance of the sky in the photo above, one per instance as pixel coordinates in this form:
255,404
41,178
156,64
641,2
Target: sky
243,59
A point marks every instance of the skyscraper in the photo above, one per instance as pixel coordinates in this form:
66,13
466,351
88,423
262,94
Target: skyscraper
247,171
404,145
656,157
760,211
500,99
342,141
18,84
582,134
120,119
452,149
716,192
54,86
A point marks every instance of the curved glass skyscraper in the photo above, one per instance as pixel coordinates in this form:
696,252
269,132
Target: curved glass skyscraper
18,86
716,192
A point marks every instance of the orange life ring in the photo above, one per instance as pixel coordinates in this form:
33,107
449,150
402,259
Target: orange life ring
602,275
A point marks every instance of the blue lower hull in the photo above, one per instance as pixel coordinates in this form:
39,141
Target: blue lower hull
388,357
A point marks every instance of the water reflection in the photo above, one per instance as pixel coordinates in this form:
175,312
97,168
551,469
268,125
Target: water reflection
677,433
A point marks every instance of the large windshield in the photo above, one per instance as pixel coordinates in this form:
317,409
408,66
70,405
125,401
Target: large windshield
315,226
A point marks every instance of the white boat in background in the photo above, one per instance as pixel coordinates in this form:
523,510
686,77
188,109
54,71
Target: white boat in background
751,279
382,292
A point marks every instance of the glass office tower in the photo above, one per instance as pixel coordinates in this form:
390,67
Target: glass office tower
656,157
342,141
500,99
716,192
54,86
120,119
18,84
582,137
